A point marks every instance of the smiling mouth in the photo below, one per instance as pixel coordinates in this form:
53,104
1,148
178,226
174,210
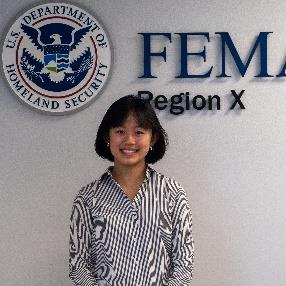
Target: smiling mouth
128,151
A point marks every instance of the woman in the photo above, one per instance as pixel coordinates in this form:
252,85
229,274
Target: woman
132,226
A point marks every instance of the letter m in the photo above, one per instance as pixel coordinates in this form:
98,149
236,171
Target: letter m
260,42
18,85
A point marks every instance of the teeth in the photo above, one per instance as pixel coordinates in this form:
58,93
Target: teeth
128,151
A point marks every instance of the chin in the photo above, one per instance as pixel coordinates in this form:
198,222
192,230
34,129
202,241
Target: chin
130,162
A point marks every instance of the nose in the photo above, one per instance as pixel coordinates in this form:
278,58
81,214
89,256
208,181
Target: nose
130,138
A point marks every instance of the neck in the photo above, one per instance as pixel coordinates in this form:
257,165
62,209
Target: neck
129,176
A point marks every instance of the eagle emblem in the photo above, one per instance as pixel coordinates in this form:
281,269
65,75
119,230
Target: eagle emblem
58,58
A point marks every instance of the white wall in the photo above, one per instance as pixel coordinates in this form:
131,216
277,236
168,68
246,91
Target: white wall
232,164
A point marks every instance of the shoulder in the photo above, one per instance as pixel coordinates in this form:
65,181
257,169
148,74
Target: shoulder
173,193
172,186
86,193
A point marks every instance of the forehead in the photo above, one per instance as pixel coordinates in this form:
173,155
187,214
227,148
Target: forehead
119,117
131,120
135,120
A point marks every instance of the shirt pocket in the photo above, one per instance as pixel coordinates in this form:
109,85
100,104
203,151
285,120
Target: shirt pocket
100,226
101,221
108,223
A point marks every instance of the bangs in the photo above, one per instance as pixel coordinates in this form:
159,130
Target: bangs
139,112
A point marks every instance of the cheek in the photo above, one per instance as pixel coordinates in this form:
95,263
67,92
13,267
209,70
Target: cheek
145,143
114,149
114,140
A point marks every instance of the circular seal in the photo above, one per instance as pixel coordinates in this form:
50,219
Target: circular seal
56,58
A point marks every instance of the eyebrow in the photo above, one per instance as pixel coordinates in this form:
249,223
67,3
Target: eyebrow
136,126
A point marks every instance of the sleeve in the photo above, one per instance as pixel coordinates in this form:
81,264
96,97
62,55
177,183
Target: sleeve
80,244
182,243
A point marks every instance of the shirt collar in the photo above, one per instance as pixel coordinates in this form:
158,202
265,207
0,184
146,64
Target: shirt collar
148,173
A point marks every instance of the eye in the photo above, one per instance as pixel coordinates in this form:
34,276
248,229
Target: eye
118,131
140,132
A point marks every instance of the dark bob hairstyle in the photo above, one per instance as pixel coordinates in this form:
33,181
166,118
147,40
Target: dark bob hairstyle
115,116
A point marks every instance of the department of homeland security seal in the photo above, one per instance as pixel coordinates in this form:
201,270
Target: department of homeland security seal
56,57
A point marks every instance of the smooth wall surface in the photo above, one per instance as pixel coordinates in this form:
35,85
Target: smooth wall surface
231,163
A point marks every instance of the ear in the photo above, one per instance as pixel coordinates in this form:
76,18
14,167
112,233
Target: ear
106,139
154,139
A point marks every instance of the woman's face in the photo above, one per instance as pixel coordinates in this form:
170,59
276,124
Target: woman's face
130,143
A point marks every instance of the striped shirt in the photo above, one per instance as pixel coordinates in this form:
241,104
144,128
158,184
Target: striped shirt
144,242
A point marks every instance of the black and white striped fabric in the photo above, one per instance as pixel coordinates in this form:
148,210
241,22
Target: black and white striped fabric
119,242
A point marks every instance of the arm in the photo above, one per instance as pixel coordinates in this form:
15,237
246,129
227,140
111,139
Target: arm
182,242
80,244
